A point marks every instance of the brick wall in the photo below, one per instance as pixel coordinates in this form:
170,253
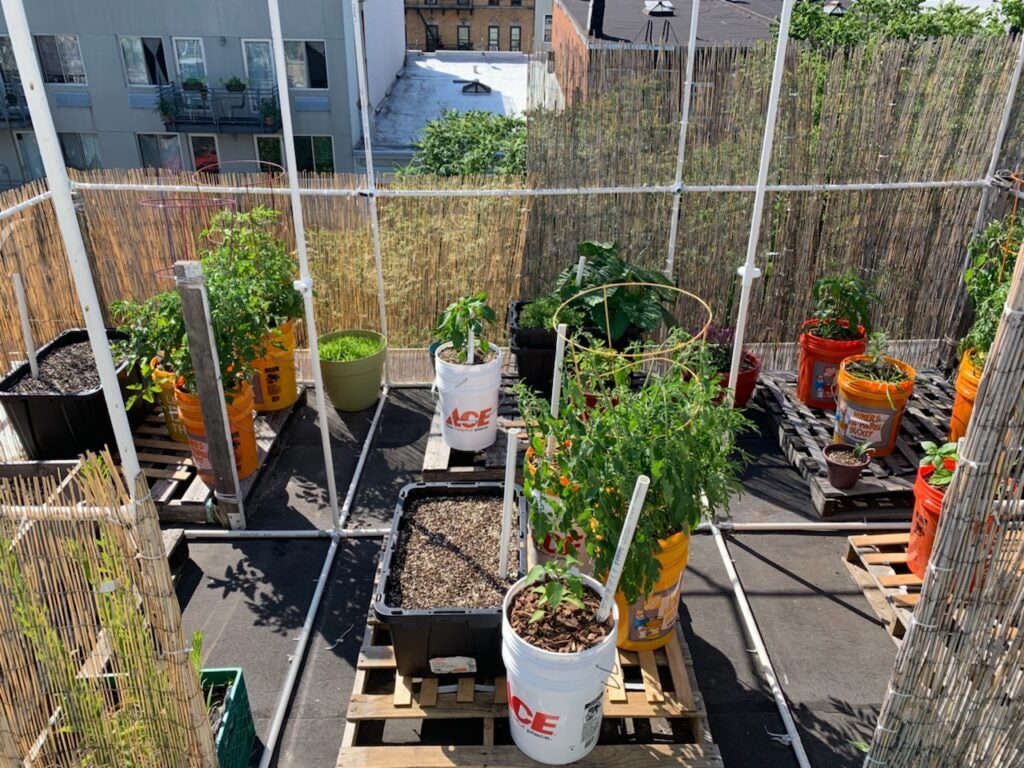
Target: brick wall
478,19
571,53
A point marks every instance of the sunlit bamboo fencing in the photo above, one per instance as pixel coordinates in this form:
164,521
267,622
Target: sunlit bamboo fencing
955,694
94,667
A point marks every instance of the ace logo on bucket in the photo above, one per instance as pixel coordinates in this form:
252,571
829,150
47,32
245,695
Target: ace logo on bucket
469,420
540,723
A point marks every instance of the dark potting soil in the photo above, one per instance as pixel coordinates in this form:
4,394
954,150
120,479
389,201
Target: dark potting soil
846,458
447,554
64,371
567,629
451,355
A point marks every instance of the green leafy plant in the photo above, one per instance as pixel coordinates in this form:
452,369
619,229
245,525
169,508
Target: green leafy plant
943,458
167,108
674,429
193,84
153,327
234,83
470,143
875,366
863,449
842,304
347,348
556,584
541,313
270,111
993,256
468,313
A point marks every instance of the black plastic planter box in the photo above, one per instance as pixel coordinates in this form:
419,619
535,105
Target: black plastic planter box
64,426
534,350
422,636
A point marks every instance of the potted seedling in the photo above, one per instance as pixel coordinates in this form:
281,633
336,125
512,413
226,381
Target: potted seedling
838,329
234,84
468,374
873,391
61,413
352,363
676,430
933,477
844,463
993,255
440,586
719,343
559,655
271,112
247,248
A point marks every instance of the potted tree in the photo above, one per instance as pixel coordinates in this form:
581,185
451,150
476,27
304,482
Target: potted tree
993,255
246,247
839,328
933,477
720,341
587,488
873,391
167,109
270,112
440,588
352,363
845,463
558,656
468,374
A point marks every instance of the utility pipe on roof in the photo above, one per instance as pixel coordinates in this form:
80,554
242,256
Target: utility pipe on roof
684,122
305,283
749,269
64,208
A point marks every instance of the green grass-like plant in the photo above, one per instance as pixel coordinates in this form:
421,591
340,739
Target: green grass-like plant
345,349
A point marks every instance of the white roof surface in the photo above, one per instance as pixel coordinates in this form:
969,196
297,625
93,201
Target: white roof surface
426,87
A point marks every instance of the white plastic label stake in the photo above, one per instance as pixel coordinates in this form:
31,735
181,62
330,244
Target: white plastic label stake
26,327
556,381
636,504
511,454
579,270
469,352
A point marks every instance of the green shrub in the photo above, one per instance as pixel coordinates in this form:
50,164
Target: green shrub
345,349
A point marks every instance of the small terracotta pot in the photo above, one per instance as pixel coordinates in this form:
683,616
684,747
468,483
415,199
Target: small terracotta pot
842,476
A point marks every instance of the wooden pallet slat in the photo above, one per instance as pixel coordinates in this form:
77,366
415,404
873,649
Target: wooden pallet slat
505,756
878,564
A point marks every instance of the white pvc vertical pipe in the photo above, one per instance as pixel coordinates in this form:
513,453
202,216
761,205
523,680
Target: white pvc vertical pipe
26,326
305,283
684,122
749,271
556,381
371,182
64,209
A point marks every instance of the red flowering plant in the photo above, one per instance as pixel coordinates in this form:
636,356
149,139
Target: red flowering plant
669,427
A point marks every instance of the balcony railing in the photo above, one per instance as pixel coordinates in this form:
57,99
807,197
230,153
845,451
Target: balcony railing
13,109
253,110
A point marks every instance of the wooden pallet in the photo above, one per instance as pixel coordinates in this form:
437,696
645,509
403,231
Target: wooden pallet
653,713
878,563
442,464
180,495
885,490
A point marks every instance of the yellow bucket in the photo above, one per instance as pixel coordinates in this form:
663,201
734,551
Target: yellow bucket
243,431
273,379
168,406
647,624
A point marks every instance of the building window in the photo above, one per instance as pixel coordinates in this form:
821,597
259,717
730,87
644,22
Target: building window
433,37
81,150
306,62
314,153
160,150
464,3
462,38
493,34
28,155
430,2
517,2
259,63
268,150
494,2
188,52
547,28
8,67
515,38
144,62
204,153
61,59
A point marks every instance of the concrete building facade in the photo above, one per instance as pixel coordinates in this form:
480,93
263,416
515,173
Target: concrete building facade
470,25
182,85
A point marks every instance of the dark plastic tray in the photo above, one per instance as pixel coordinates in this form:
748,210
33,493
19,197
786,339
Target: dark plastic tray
64,426
421,635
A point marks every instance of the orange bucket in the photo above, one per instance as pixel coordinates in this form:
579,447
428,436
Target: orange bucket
168,407
966,390
243,431
819,365
647,624
871,411
273,378
925,522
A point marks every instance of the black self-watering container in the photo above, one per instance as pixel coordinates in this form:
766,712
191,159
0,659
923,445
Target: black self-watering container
63,426
420,636
534,350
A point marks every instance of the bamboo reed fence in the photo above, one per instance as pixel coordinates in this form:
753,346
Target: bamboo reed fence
954,697
95,667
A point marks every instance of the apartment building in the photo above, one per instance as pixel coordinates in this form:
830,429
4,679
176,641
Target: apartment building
190,84
470,25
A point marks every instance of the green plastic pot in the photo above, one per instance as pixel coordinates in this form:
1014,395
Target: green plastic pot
235,736
354,385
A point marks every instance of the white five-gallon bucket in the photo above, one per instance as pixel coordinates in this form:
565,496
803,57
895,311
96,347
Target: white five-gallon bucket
469,401
555,700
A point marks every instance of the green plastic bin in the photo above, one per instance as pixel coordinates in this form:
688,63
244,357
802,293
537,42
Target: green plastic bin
235,736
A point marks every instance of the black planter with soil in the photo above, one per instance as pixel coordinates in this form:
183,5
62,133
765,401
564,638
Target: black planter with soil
842,466
439,593
62,414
